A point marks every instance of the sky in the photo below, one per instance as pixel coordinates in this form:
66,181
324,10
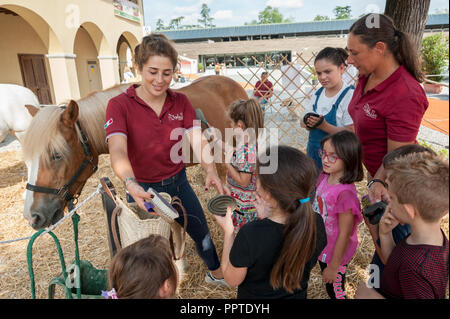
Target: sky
237,12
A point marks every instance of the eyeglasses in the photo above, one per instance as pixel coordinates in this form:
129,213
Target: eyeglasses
331,158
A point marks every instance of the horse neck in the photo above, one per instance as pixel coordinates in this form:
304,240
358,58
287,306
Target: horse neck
92,116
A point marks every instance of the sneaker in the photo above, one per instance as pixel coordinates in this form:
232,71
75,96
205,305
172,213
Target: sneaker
210,279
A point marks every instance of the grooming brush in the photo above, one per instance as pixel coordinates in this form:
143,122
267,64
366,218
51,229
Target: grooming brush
161,205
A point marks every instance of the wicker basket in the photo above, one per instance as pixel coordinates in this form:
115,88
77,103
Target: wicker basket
135,224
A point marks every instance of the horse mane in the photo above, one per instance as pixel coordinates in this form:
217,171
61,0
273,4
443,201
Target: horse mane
43,138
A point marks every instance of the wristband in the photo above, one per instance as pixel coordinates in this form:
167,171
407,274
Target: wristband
376,180
129,180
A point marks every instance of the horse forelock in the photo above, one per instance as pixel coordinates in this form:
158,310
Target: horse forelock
43,138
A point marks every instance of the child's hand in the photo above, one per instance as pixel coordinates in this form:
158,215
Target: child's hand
329,275
226,222
313,120
388,222
262,207
377,192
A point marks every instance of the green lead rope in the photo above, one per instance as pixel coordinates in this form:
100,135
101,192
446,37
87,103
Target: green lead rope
75,220
30,259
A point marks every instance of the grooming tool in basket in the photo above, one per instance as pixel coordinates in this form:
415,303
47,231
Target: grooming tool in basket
160,205
218,205
150,207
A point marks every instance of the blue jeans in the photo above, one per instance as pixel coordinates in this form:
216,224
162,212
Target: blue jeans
197,227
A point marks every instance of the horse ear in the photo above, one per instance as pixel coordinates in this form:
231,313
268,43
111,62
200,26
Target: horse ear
70,114
32,109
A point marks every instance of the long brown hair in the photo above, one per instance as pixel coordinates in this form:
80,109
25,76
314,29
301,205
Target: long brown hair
138,271
249,112
294,180
398,42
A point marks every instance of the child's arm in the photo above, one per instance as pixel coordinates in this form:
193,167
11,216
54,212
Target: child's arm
234,276
387,223
346,221
242,178
327,127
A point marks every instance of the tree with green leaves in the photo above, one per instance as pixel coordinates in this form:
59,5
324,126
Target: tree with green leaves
270,15
175,23
343,12
206,19
160,25
321,18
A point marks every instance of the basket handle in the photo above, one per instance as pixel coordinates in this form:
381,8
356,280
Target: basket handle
177,201
116,212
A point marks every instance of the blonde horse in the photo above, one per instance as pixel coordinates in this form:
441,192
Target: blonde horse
63,145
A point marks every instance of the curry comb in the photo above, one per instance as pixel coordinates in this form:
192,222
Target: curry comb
161,205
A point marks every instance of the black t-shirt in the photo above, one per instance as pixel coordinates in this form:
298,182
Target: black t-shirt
257,246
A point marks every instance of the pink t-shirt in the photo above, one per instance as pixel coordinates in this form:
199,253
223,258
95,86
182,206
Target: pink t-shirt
329,202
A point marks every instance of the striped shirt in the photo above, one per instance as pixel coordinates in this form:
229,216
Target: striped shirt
416,272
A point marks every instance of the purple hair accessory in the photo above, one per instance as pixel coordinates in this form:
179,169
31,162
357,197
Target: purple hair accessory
109,294
149,206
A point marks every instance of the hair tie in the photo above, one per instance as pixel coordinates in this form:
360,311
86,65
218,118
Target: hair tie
110,294
304,200
397,33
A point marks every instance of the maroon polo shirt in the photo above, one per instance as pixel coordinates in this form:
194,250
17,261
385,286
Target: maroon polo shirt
392,110
263,88
148,135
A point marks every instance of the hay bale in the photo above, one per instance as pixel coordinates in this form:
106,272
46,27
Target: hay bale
93,243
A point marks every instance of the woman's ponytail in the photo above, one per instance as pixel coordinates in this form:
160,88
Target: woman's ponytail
398,42
404,54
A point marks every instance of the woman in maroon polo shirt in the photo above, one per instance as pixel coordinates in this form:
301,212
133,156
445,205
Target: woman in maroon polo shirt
388,104
144,128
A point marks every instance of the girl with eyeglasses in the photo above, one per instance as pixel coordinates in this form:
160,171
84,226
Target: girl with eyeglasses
336,200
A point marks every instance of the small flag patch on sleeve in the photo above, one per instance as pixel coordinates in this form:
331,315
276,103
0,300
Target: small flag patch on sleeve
108,123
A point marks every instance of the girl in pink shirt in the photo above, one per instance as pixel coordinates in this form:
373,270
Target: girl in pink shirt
336,200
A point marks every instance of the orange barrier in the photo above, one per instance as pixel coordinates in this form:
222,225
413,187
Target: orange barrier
437,115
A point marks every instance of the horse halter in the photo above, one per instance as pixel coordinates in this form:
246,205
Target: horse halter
63,192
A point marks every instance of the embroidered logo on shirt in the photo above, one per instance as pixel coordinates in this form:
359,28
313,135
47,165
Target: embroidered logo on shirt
369,111
176,117
110,121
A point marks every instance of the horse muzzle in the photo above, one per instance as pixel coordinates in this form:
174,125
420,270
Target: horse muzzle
46,214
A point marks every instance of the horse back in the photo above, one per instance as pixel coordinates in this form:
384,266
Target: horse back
213,95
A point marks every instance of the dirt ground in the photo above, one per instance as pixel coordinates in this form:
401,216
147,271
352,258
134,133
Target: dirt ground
14,278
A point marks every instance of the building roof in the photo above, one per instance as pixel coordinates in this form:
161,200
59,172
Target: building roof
439,21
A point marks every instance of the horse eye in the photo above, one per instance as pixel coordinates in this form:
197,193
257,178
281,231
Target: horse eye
56,157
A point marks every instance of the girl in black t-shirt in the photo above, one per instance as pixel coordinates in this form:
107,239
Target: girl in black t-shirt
273,257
